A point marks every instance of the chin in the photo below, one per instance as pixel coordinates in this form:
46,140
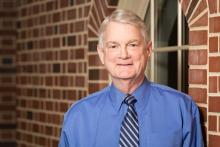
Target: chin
125,77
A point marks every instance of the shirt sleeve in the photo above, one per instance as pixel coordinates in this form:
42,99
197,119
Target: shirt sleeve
194,137
63,140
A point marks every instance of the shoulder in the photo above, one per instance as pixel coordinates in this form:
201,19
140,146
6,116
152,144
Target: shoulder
162,89
170,94
90,104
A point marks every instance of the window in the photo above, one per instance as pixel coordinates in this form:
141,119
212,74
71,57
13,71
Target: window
169,34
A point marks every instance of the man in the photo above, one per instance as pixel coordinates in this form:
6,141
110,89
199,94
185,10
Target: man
132,111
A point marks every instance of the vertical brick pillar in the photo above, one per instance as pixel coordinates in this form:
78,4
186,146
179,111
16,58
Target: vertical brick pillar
204,61
214,76
196,13
7,73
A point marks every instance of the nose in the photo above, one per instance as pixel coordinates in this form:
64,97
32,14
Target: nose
124,53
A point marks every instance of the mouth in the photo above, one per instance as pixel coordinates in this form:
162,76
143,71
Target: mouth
124,64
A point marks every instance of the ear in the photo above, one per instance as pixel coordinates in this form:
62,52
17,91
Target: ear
149,48
101,53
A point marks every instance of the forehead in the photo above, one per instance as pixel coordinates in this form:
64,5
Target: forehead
116,31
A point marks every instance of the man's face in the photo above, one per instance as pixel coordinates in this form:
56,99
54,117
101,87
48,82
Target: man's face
124,52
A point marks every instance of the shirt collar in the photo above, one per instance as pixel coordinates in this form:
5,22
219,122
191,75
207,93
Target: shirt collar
116,97
142,94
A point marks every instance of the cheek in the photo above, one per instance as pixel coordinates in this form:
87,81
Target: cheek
137,57
140,59
110,57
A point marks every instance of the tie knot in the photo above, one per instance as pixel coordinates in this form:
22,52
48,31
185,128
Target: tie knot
130,100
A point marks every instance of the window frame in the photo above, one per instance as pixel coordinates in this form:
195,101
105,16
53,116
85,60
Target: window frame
179,48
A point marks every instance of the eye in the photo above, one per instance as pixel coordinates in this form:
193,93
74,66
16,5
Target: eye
133,45
112,46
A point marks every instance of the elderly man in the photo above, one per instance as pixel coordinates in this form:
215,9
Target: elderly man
132,111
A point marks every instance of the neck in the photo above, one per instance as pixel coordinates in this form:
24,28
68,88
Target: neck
127,86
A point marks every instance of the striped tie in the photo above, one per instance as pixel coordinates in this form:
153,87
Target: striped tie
129,134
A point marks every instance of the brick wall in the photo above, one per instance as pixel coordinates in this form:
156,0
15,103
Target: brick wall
57,64
204,62
7,73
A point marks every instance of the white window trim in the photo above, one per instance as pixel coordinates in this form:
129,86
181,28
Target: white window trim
140,9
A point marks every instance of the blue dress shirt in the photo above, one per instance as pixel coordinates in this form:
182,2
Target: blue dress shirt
167,118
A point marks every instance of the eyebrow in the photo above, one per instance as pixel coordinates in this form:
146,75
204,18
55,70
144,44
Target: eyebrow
134,40
112,42
115,42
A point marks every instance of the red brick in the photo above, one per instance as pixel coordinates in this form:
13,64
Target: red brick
214,103
80,2
56,42
71,94
185,5
7,107
63,107
98,74
8,4
63,3
63,28
212,123
64,81
214,26
48,55
214,64
49,80
80,54
80,11
93,87
49,30
54,142
79,26
214,141
56,17
72,67
36,9
49,106
71,14
86,11
94,60
91,33
23,11
6,80
203,21
197,76
212,6
201,7
49,5
198,57
80,81
64,55
212,84
198,37
219,84
213,44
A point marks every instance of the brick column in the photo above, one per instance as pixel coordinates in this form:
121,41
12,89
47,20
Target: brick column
214,76
204,62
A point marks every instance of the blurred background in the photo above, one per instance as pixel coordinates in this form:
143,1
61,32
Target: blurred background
48,60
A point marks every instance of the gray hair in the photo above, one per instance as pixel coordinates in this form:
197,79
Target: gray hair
126,17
